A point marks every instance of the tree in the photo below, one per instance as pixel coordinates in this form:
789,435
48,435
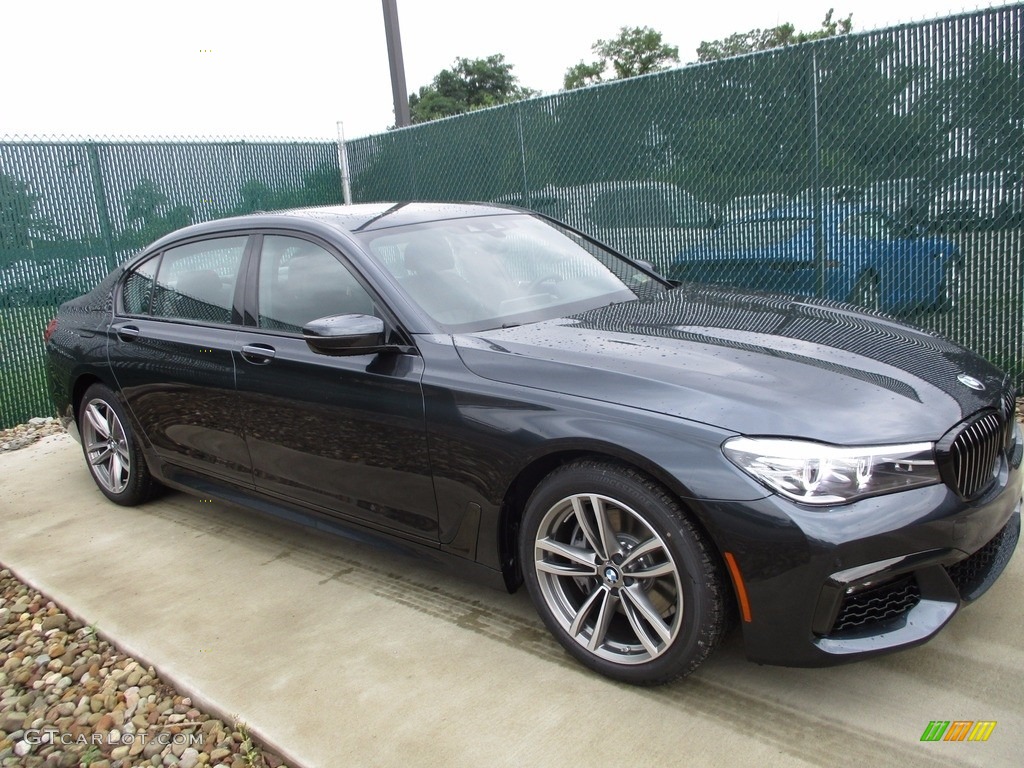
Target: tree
142,203
470,84
774,37
636,51
20,225
146,222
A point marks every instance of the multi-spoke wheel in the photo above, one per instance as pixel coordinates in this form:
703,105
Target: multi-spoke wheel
114,460
619,574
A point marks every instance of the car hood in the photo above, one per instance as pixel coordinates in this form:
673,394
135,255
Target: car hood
752,364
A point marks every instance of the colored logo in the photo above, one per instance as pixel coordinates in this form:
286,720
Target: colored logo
958,730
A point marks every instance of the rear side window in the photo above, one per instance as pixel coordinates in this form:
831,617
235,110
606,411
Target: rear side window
197,281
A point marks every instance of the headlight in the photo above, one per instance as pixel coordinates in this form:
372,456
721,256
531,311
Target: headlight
815,473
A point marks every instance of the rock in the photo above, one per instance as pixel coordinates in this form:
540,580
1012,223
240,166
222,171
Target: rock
219,754
131,701
136,748
120,753
189,758
152,747
12,721
58,621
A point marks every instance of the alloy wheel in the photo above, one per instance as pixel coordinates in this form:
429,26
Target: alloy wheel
106,446
608,579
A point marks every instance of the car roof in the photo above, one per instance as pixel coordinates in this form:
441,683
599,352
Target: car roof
361,217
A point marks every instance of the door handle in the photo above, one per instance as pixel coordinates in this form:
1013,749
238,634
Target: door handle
260,354
127,332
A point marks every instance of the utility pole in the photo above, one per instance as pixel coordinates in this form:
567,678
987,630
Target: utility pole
394,36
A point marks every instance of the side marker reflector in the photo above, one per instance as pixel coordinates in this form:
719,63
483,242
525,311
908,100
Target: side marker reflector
741,588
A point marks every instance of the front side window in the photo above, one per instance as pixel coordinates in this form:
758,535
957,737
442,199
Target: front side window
196,281
301,281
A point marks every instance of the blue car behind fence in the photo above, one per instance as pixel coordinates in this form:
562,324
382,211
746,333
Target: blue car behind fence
866,259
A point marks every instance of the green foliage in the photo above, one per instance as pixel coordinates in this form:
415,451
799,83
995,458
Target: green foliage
583,74
636,51
148,216
319,187
470,84
20,226
775,37
149,213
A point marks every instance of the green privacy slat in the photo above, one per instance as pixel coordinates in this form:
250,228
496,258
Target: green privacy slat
70,211
920,124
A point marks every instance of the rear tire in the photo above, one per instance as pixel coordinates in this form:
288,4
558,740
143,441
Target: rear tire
620,575
111,451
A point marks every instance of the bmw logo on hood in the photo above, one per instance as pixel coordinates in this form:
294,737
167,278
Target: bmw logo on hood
970,381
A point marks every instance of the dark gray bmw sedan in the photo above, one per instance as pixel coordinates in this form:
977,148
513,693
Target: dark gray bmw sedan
504,394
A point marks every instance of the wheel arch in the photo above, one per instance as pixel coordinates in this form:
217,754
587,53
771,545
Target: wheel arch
521,487
81,386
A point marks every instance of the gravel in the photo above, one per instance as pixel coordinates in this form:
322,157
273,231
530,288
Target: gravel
25,434
69,698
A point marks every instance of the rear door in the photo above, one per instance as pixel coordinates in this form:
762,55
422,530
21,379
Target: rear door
172,351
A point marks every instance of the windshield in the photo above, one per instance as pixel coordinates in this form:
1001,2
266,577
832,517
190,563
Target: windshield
486,272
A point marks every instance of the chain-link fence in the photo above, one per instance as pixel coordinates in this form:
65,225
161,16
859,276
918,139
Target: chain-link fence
71,211
884,168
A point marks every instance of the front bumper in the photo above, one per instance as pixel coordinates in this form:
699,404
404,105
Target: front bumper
831,586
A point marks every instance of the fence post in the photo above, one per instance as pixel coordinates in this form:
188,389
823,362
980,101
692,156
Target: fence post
817,197
100,195
346,179
522,155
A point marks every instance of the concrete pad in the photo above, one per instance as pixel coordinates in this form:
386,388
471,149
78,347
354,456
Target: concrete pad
338,653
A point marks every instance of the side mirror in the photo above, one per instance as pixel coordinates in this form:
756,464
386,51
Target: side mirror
345,335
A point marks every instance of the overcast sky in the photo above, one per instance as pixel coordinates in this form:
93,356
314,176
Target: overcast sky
221,68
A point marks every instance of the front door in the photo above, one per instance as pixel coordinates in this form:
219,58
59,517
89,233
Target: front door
343,434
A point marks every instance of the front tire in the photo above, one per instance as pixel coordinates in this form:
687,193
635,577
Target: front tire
620,575
111,452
